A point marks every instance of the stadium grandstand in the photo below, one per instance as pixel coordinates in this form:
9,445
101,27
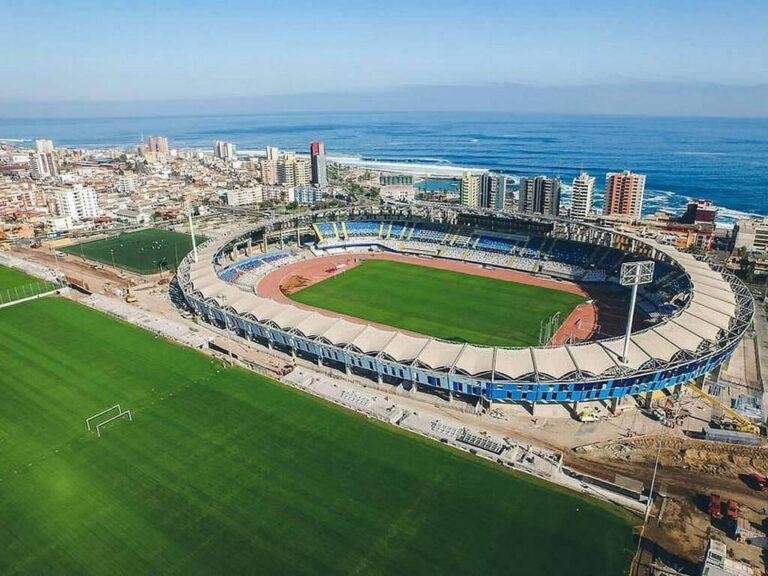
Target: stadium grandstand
696,311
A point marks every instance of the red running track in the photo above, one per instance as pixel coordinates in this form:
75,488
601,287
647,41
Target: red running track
580,324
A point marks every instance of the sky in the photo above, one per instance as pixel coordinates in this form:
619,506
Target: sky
75,50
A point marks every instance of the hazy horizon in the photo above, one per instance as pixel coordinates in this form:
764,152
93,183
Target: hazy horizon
609,99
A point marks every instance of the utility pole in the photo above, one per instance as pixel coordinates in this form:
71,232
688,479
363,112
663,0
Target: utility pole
192,231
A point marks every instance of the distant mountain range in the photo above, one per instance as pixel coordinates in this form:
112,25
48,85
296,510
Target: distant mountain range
641,98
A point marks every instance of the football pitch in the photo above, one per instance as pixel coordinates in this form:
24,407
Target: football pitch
15,284
441,303
223,471
143,251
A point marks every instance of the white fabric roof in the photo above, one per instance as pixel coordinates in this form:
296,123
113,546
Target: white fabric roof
710,309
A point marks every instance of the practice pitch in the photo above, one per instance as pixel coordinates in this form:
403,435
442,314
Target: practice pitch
223,471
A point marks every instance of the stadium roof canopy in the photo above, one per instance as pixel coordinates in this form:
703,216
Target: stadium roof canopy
708,314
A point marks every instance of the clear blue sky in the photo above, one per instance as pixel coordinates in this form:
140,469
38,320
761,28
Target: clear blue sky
81,50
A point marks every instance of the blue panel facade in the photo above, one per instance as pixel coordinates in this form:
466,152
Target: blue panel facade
494,391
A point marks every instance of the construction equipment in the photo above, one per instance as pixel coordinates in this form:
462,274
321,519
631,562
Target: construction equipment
129,297
758,482
740,423
589,415
715,506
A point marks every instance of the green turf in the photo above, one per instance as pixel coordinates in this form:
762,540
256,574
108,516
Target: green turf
222,471
143,251
15,284
441,303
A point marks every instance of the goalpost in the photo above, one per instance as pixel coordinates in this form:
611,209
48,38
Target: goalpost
112,417
101,424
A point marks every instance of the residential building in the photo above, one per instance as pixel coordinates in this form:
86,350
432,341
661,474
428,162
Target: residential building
44,146
224,151
469,190
293,171
158,145
243,196
540,195
126,184
699,212
273,153
318,164
395,180
78,203
43,165
493,191
269,172
624,194
751,234
583,191
308,194
133,216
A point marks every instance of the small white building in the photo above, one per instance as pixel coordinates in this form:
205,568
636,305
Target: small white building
242,196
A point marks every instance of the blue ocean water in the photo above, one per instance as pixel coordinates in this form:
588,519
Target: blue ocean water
725,160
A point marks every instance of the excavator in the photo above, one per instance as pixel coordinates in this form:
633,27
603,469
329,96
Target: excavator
740,423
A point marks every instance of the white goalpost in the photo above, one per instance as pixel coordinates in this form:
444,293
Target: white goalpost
120,413
102,424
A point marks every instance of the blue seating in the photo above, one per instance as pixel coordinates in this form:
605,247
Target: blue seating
363,228
233,272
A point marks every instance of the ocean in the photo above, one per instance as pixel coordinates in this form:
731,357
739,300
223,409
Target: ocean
721,159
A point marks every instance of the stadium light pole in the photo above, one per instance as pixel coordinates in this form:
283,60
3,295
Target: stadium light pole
192,231
633,274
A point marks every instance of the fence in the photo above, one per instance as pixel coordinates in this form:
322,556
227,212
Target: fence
24,291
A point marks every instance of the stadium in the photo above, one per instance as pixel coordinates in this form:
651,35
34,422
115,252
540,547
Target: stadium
688,319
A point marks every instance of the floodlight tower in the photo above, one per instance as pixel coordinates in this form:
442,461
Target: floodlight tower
634,274
192,231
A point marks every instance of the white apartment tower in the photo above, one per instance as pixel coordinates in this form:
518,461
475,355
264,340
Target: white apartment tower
224,151
583,191
273,153
44,146
78,203
469,189
43,166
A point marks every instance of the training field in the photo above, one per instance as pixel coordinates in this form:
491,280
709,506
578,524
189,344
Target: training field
441,303
12,278
144,251
223,471
15,284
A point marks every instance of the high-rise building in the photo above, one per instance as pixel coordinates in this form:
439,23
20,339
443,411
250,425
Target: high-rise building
699,212
273,153
319,169
493,191
293,171
78,203
158,145
624,194
583,191
469,190
268,172
43,166
44,146
302,172
540,195
751,234
224,151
